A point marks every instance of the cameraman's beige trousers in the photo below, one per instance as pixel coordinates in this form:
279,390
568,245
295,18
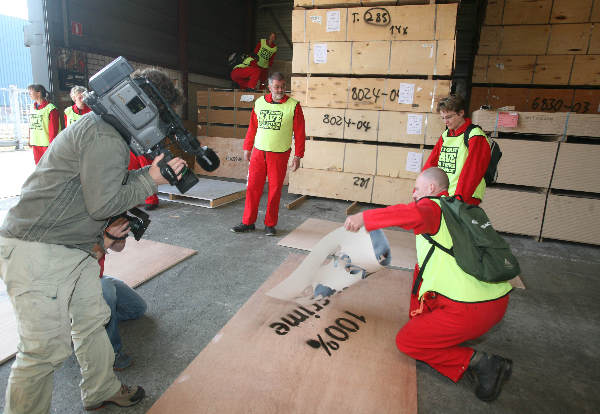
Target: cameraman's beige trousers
56,294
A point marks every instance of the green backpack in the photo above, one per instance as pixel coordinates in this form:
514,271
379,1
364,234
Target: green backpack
478,249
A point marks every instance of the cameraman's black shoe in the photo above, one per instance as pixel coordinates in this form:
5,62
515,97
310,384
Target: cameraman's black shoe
490,372
270,231
151,207
242,228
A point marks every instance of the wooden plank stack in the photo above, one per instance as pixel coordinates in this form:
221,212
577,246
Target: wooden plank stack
548,186
368,79
541,44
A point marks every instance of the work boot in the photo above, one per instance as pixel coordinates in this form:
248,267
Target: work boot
125,397
150,207
270,231
242,228
490,372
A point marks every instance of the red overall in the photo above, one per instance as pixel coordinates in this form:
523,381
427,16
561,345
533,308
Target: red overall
53,127
135,163
273,165
247,77
474,167
437,325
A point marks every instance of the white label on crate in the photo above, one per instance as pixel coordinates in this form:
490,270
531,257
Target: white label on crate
431,47
406,93
315,19
320,53
247,98
414,161
414,124
333,21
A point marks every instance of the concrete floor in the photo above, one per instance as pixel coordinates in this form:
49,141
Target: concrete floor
551,329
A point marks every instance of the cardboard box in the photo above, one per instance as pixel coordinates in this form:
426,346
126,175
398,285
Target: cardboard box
572,218
331,184
575,168
527,163
515,211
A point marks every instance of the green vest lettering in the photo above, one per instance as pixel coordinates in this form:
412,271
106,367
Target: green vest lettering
443,275
275,124
71,115
453,155
39,120
264,54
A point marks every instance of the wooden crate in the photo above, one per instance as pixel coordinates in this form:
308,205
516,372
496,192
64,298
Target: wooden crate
572,218
510,69
389,191
586,101
575,168
399,162
528,123
569,11
230,152
406,22
230,98
553,70
569,39
361,125
360,159
526,99
493,12
418,95
515,211
586,70
324,155
332,184
526,12
375,57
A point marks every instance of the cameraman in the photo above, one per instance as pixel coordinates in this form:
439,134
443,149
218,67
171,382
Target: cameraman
49,266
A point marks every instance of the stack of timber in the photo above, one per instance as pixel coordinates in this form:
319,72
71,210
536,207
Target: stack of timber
369,79
223,118
547,45
547,184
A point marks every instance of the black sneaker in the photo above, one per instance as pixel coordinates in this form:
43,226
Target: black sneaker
242,228
270,231
490,372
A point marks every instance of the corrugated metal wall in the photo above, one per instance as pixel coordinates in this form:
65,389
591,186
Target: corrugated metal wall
15,68
266,14
146,31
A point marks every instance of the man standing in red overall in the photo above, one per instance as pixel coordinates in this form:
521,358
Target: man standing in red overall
447,306
274,119
464,165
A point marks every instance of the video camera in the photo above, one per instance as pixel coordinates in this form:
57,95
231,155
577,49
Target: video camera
144,119
138,223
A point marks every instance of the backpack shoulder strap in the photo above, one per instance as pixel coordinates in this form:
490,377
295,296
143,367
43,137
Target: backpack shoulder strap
467,134
434,244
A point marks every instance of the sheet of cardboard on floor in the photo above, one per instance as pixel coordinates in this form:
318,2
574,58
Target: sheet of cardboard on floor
142,260
402,243
334,355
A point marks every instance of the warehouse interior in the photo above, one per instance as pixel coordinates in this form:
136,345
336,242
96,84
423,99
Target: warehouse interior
530,74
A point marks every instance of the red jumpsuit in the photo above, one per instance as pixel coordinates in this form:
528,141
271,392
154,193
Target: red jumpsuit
135,163
438,325
273,165
474,167
247,77
264,73
53,126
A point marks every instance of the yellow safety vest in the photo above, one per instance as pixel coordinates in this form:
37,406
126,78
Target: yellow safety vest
443,275
39,120
264,54
275,124
71,115
453,155
245,63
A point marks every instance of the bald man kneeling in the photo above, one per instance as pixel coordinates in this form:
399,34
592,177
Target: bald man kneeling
448,306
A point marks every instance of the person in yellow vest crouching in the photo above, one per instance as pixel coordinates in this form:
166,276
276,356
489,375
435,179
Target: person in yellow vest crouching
44,124
265,50
246,74
79,108
267,146
447,306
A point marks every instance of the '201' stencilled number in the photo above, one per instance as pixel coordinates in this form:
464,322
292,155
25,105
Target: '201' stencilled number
361,182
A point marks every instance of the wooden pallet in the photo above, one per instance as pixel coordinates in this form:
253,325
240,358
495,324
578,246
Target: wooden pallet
207,193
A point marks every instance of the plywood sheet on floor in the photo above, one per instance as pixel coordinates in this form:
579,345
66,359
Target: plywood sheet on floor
206,193
142,260
402,243
306,235
138,262
248,367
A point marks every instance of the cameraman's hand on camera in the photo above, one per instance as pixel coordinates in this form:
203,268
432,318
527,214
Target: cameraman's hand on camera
177,164
119,228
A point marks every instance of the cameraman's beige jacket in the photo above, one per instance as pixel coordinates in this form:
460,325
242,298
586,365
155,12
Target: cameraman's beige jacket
80,182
